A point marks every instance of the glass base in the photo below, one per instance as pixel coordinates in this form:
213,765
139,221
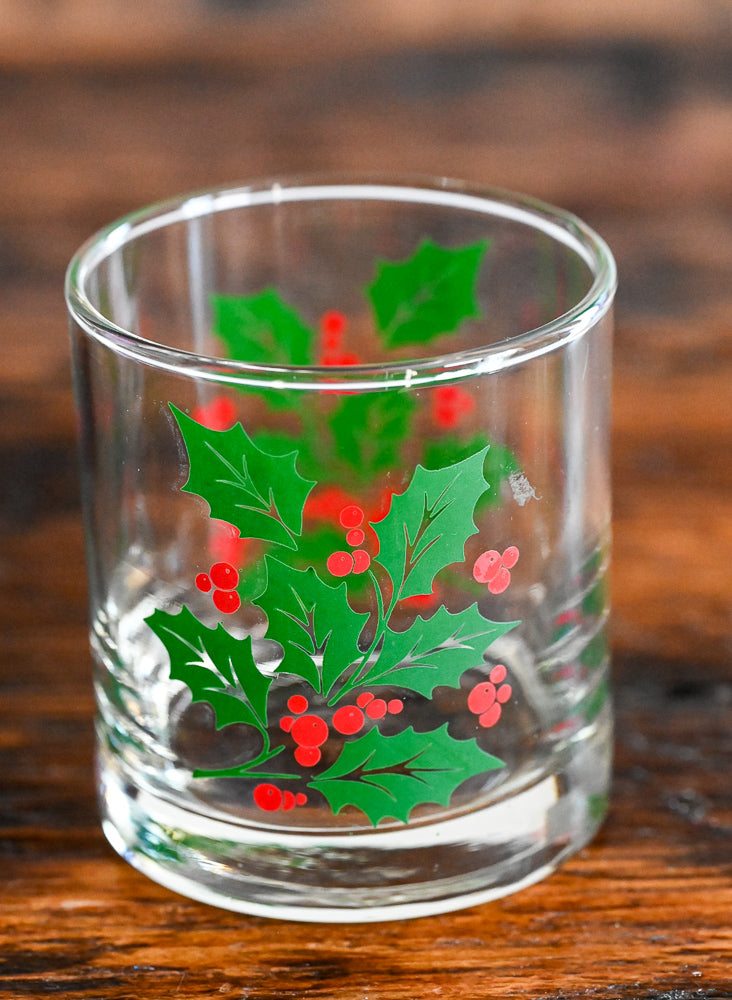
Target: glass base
413,871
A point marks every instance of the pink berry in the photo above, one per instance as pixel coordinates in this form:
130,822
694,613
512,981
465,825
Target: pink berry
268,797
504,693
227,601
288,800
307,756
361,561
395,706
487,566
500,581
355,537
224,575
309,731
482,697
364,698
510,557
286,723
491,717
348,720
340,563
351,516
376,709
498,673
298,704
203,582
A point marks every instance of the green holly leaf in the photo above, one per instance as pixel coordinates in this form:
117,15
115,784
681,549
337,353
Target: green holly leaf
430,293
498,466
216,667
263,329
388,776
369,429
262,495
427,526
313,622
434,651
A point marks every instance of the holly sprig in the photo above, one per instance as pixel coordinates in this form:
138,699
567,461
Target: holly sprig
332,648
412,301
325,642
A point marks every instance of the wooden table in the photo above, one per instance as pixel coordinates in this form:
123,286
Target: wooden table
618,111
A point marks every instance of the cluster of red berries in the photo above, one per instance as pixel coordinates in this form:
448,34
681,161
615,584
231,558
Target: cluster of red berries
270,798
332,328
342,563
493,568
486,698
450,404
224,578
310,731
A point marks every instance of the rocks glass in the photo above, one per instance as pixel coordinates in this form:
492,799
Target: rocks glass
344,453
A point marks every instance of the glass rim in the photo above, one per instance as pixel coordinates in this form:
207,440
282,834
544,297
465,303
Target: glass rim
560,225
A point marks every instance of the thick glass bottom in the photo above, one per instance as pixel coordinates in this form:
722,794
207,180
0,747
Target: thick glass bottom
437,866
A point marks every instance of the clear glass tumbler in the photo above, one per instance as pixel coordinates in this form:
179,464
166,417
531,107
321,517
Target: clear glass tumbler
345,474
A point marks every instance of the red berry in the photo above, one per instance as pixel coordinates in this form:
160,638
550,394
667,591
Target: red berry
395,706
482,697
341,360
286,723
361,561
447,417
355,537
351,516
498,673
500,581
218,415
504,693
309,731
450,404
203,582
363,699
288,800
486,566
268,797
491,717
300,799
510,557
340,563
348,720
298,704
376,709
224,575
227,601
332,323
307,756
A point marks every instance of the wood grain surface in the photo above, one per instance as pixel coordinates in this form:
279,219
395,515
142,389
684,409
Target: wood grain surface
619,111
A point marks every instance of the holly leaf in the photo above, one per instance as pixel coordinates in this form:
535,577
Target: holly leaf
262,495
389,776
313,622
435,651
430,293
263,329
427,526
369,429
499,462
217,668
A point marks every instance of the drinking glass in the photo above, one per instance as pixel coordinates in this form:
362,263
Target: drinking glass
344,450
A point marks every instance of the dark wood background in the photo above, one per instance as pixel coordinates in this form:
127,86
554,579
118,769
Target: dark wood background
619,110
